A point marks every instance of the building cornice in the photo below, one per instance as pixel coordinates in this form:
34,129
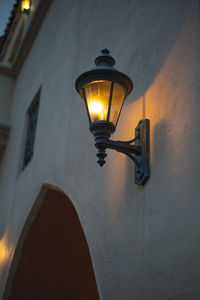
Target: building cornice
19,36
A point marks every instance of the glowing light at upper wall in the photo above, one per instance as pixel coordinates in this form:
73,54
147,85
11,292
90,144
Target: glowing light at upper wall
25,6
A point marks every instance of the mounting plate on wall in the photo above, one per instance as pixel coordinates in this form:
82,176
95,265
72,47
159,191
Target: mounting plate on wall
142,171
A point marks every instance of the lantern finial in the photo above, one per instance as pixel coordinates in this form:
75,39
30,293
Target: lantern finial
105,59
105,51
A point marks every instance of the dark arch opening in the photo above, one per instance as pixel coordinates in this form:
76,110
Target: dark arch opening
54,261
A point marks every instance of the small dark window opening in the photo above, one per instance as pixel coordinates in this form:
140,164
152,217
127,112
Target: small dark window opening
31,130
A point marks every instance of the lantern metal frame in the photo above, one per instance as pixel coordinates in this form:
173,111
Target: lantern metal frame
137,149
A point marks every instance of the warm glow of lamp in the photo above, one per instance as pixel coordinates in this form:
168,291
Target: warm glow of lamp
25,6
3,252
97,99
99,95
97,110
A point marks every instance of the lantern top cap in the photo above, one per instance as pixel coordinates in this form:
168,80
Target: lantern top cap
104,70
105,59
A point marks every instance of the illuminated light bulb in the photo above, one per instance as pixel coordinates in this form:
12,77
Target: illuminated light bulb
97,110
25,6
95,107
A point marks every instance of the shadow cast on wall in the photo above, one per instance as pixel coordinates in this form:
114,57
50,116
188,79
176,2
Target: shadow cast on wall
157,25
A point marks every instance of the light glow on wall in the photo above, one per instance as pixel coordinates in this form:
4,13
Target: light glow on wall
3,252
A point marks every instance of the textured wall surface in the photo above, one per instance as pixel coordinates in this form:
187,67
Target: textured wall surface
144,241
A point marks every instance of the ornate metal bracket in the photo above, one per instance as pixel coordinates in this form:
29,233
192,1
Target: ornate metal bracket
138,152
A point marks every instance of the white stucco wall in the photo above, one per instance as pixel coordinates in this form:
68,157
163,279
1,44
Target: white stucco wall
144,241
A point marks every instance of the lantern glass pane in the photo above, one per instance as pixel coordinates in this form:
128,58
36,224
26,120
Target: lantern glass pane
97,95
118,96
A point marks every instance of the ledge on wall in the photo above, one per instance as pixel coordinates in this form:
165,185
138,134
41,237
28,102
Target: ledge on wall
19,35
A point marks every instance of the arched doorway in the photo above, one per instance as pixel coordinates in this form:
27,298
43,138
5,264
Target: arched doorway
55,262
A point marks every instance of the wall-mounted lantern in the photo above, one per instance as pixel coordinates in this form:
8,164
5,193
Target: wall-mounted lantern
26,6
104,90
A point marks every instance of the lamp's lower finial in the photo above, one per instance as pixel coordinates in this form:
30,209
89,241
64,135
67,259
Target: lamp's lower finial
101,155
